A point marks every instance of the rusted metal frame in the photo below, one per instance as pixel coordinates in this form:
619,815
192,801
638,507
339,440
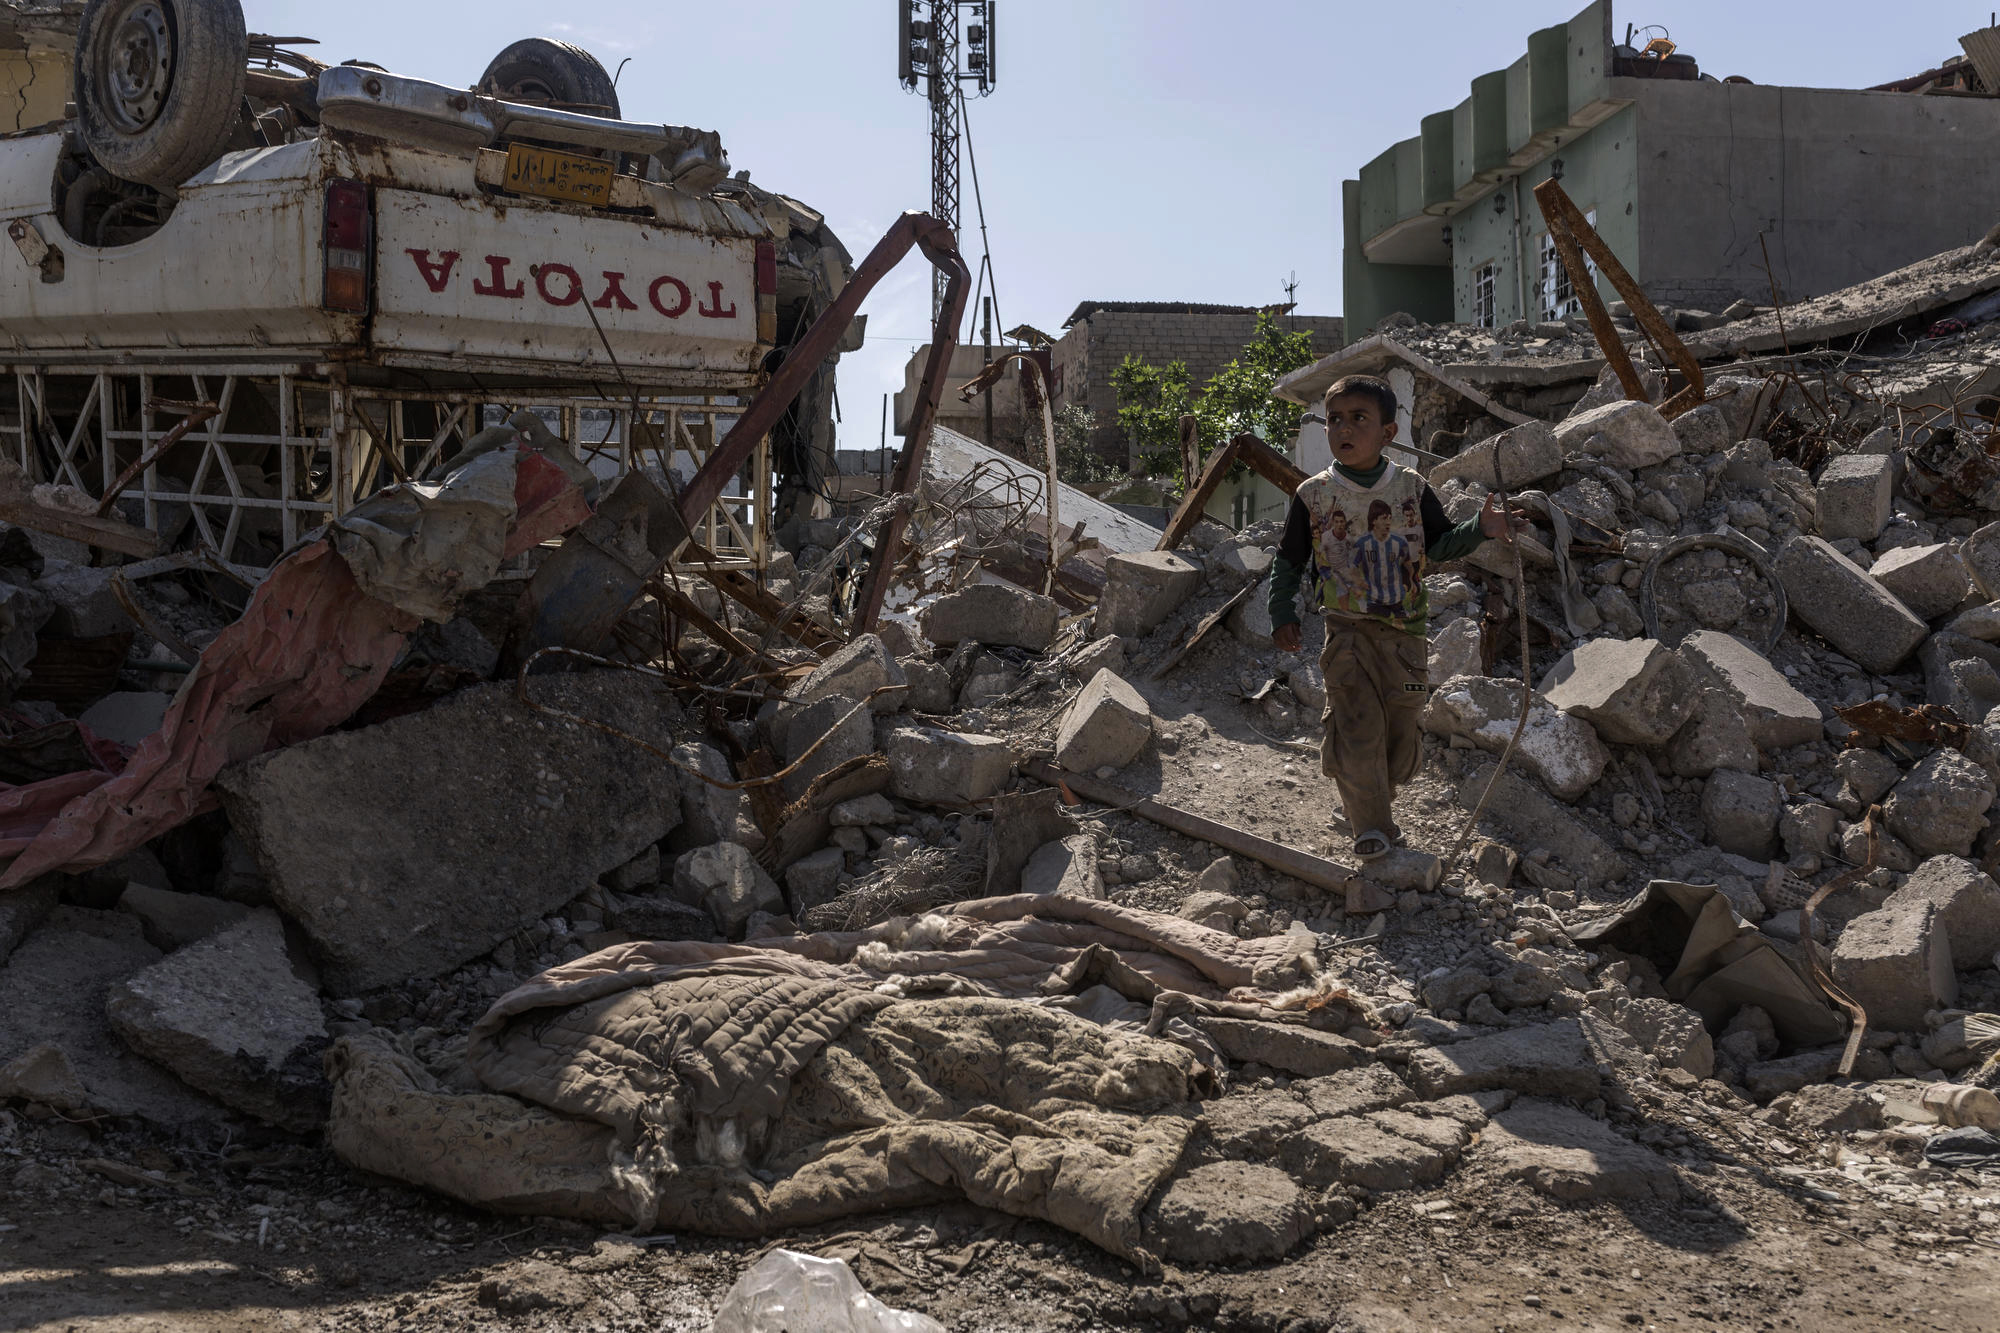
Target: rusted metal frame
941,248
196,413
1253,453
1300,865
735,584
1570,230
688,609
985,380
121,588
1816,968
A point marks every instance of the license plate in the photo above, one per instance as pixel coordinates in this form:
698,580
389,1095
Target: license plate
558,175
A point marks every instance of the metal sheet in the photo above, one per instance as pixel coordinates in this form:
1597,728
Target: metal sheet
465,279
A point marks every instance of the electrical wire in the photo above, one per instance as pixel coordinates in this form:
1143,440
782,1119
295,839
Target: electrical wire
979,205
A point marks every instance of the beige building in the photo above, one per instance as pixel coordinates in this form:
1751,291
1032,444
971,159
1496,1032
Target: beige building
1010,411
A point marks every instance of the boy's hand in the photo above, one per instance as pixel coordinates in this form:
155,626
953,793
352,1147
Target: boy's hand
1287,637
1502,523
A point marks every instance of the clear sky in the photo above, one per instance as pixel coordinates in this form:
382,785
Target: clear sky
1139,150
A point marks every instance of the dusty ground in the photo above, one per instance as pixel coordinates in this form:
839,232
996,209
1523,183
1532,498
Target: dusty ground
127,1234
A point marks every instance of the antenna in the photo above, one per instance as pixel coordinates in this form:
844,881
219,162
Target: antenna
928,51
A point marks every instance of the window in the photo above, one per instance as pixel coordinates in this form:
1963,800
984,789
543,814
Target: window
1554,294
1240,511
1482,297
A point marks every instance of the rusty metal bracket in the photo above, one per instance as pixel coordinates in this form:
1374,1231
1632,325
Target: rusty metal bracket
1816,968
1572,235
1246,449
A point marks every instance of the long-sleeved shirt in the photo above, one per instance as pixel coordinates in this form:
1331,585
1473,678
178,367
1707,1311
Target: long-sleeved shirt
1443,540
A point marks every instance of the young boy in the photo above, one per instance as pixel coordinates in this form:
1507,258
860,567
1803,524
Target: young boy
1371,590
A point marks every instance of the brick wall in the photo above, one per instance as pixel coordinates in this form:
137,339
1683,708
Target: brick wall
1095,347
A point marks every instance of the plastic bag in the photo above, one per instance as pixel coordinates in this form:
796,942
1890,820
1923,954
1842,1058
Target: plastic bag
789,1292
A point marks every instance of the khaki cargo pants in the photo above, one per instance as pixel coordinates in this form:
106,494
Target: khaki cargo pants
1377,682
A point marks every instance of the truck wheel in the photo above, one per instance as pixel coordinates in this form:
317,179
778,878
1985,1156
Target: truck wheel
158,84
539,70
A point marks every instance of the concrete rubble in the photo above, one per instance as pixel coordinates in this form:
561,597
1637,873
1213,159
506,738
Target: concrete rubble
1432,1024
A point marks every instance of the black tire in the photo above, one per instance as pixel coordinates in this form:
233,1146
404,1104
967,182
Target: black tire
539,70
159,84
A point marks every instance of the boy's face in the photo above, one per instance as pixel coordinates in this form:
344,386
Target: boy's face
1340,524
1380,525
1356,431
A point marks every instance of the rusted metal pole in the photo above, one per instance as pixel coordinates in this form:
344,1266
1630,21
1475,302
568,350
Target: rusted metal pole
805,356
941,248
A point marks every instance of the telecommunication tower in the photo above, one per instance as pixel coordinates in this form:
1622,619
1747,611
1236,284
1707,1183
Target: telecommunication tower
929,50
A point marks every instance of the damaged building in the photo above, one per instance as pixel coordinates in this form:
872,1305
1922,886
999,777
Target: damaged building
1690,178
496,906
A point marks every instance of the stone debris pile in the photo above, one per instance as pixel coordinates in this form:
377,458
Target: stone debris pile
1754,788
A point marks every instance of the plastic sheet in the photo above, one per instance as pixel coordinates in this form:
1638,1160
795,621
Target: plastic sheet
789,1292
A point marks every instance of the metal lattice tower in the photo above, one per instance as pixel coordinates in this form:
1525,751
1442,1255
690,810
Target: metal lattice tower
928,47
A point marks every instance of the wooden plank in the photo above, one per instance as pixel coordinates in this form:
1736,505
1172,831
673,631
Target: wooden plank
105,533
1314,870
1190,511
1455,384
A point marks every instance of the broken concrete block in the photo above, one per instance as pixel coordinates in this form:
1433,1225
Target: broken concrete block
935,767
1106,727
44,1075
1141,590
1830,1108
1896,963
228,1015
1106,653
1369,1152
1566,1155
1930,580
85,605
1228,1212
726,881
1547,1060
1251,622
1741,811
856,670
1298,1051
1405,870
1672,1034
839,725
22,909
1891,851
1774,1078
1809,829
1559,748
1967,902
1867,774
641,872
1515,458
1854,496
1777,714
1705,430
1536,819
1628,435
709,813
995,613
52,992
862,811
930,687
1845,607
1067,867
128,716
1452,991
1365,898
1939,806
1634,691
173,920
1456,650
407,848
1717,736
813,880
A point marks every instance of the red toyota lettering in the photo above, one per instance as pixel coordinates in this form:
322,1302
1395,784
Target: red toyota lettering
437,274
680,290
714,310
497,285
614,293
571,297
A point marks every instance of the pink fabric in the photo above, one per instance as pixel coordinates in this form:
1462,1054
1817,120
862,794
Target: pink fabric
309,649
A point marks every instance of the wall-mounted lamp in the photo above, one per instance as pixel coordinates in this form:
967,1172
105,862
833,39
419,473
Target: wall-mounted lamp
1499,202
1447,236
1556,170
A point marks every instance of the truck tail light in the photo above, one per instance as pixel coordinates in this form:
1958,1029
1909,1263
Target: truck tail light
348,247
767,292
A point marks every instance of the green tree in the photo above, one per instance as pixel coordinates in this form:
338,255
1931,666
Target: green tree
1238,397
1076,461
1151,402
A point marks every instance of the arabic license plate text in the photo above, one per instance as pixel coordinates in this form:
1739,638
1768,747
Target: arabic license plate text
557,175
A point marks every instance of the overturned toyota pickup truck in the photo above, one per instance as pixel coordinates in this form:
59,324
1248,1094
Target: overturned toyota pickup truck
344,273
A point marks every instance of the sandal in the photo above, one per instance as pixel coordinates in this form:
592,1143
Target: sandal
1371,845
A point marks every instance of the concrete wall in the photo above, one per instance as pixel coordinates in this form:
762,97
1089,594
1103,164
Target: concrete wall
1848,184
33,88
1370,291
1600,171
1009,422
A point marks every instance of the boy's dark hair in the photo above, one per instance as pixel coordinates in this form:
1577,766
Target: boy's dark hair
1372,387
1379,509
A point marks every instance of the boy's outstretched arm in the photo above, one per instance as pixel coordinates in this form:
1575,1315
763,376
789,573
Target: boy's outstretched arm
1294,550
